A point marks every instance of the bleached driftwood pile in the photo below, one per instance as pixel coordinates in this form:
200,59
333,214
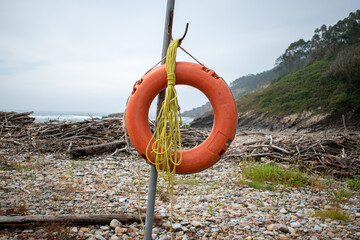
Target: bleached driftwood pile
10,120
20,133
337,153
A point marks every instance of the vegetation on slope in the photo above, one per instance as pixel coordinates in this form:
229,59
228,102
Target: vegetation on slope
330,80
321,75
240,87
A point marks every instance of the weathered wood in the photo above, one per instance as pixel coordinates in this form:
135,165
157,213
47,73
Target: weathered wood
57,136
11,118
11,115
333,153
97,149
279,148
72,219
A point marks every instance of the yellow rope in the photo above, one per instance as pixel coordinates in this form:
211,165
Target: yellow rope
167,135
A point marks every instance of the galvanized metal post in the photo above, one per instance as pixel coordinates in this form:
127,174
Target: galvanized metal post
153,173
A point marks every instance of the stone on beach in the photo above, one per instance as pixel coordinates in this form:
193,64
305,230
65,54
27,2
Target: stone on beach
115,223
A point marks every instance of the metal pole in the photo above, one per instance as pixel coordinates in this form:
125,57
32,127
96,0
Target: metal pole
153,173
150,203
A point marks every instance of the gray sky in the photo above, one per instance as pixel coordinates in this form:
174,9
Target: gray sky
77,55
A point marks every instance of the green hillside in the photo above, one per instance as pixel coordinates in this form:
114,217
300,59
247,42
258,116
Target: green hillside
315,84
321,75
241,86
252,82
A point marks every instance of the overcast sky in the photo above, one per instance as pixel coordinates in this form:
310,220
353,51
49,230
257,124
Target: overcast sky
77,55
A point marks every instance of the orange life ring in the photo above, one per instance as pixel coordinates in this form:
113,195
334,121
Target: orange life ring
216,90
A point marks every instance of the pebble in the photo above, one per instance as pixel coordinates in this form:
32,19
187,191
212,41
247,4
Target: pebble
283,210
330,234
119,230
292,231
282,237
177,226
114,223
108,184
317,228
85,229
196,224
271,227
99,237
252,207
105,228
284,229
295,224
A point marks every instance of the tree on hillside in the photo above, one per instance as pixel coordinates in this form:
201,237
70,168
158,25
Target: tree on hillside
318,43
327,41
294,57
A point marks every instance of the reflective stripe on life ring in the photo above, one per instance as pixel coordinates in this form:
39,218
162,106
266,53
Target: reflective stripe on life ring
215,89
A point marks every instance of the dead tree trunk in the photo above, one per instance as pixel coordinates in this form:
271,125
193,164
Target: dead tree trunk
97,149
73,219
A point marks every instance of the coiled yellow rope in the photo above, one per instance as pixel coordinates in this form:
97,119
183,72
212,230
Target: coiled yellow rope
167,135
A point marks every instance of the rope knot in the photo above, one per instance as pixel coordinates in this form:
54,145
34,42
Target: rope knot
171,78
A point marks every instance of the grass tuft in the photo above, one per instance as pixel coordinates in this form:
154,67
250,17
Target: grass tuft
354,183
192,181
259,174
334,214
78,163
340,195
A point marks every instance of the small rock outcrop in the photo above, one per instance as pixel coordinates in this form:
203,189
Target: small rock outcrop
304,121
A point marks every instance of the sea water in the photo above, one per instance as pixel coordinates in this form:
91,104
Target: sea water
44,116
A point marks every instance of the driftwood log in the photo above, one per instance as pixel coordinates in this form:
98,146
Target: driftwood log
97,149
71,219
